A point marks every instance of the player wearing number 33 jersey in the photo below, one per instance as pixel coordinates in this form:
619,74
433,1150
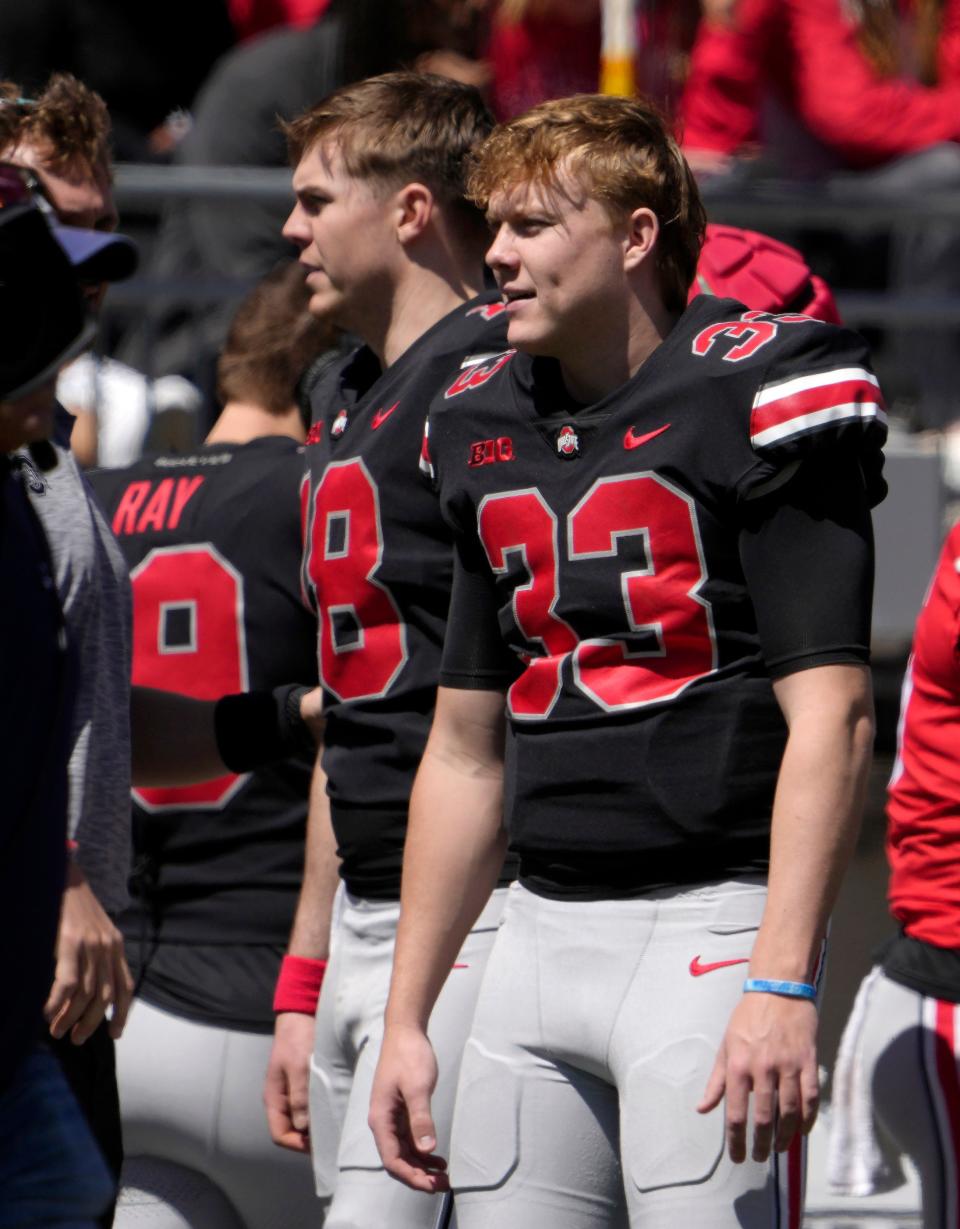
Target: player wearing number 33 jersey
654,676
644,560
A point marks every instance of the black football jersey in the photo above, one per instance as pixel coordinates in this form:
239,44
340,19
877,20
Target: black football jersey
378,566
213,541
644,737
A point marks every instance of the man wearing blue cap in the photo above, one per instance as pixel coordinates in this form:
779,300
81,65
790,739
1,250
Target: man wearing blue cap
50,1172
60,142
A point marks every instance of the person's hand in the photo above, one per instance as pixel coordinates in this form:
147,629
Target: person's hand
769,1049
91,976
311,711
285,1089
400,1116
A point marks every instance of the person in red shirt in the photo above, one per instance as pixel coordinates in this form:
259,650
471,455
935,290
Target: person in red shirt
865,98
865,89
897,1081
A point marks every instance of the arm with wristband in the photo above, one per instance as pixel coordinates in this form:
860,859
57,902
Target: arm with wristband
300,980
769,1047
178,740
808,563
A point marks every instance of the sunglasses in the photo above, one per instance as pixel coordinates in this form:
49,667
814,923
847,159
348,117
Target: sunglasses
18,186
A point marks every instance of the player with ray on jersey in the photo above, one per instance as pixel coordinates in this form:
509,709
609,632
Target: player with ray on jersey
394,255
213,542
655,688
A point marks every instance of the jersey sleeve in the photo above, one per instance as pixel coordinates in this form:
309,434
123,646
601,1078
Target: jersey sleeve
807,555
475,656
816,397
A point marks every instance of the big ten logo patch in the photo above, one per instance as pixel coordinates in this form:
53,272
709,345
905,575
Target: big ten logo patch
488,452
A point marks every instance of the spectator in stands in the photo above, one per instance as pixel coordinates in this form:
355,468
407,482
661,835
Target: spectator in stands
540,49
866,98
251,18
218,865
145,60
235,124
824,84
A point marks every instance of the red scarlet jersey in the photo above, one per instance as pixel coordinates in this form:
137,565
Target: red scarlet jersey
924,804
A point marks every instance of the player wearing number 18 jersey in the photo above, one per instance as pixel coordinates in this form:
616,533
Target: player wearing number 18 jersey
395,255
657,642
377,565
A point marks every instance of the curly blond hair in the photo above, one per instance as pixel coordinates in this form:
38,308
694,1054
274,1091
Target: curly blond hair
67,122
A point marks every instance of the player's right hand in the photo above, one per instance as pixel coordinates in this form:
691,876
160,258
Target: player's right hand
285,1089
400,1115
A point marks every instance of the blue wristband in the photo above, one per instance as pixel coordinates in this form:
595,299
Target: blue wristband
792,989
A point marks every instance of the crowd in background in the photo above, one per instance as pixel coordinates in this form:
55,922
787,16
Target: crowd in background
859,99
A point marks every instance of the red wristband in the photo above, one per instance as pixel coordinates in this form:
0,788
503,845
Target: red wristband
298,985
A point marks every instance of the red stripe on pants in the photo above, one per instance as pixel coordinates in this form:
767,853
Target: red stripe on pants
947,1076
795,1183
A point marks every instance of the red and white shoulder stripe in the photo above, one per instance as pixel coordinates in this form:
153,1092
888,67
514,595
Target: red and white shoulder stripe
793,406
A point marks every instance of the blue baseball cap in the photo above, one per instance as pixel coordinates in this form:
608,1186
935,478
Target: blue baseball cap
96,256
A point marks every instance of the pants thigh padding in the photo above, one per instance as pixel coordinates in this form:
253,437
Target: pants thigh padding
665,1142
358,1149
486,1122
326,1122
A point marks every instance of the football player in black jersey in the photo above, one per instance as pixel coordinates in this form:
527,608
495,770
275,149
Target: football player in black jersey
213,542
393,254
656,668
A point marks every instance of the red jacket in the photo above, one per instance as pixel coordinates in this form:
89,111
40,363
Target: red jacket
253,17
806,53
923,811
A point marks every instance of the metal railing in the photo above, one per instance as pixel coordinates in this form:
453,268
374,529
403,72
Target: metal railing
768,205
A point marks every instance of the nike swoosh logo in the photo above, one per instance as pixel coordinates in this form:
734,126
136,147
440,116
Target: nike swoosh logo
381,416
634,441
697,969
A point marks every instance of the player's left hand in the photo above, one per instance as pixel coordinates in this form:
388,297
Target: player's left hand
400,1116
91,977
769,1050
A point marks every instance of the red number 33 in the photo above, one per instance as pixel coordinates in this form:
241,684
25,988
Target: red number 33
661,637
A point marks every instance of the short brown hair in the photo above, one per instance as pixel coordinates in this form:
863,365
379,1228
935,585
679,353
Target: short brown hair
67,121
400,128
622,152
272,340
